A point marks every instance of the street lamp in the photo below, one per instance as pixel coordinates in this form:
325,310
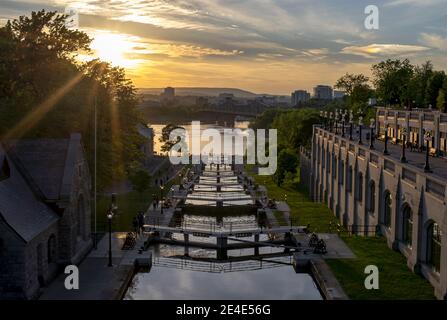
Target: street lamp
372,126
427,138
336,121
110,213
385,151
161,197
403,159
330,120
351,124
322,117
360,129
343,116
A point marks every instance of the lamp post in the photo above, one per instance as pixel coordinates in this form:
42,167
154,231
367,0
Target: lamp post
161,197
110,214
330,121
403,159
343,116
322,119
360,129
336,121
351,124
326,120
372,126
385,150
427,138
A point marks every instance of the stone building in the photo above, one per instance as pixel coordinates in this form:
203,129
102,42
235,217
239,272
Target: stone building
375,192
45,195
147,146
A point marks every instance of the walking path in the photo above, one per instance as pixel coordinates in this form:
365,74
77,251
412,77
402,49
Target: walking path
97,281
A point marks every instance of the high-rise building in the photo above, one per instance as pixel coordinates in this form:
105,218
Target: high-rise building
339,94
299,96
323,92
168,92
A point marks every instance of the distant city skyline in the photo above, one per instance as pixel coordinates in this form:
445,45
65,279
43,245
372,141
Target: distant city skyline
273,47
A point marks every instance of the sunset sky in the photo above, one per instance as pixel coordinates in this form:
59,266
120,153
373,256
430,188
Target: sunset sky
264,46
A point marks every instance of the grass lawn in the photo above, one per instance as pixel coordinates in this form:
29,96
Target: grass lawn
396,281
279,215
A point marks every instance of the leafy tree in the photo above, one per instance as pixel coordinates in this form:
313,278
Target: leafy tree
349,82
434,85
265,120
166,139
287,163
442,97
140,181
419,82
392,80
46,92
295,127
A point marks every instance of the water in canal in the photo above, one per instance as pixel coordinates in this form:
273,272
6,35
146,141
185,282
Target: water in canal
174,278
202,271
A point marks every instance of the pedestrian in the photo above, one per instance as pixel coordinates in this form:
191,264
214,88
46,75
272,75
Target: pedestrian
140,222
135,226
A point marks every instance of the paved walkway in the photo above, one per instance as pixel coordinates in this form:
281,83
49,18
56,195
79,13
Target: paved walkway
336,247
414,158
97,281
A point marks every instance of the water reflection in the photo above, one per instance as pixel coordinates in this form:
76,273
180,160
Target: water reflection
176,277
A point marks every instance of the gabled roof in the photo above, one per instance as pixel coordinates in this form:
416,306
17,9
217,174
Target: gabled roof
48,164
20,208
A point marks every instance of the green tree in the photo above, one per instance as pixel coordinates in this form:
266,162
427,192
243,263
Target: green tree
419,82
46,92
392,80
434,85
442,97
295,127
349,82
287,163
165,138
140,181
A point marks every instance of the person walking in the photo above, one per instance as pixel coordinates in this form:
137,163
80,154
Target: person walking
135,226
140,222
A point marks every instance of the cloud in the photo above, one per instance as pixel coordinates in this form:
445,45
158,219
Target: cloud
434,41
419,3
383,50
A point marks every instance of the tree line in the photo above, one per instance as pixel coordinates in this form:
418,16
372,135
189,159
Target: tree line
45,91
395,83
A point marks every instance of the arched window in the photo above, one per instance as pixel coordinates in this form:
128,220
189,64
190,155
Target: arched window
349,179
360,187
372,197
407,230
387,209
51,246
434,237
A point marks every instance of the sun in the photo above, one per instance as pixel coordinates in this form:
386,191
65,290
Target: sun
114,48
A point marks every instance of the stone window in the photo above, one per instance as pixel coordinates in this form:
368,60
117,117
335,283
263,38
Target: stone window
407,225
372,197
52,249
349,179
387,209
360,187
434,237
